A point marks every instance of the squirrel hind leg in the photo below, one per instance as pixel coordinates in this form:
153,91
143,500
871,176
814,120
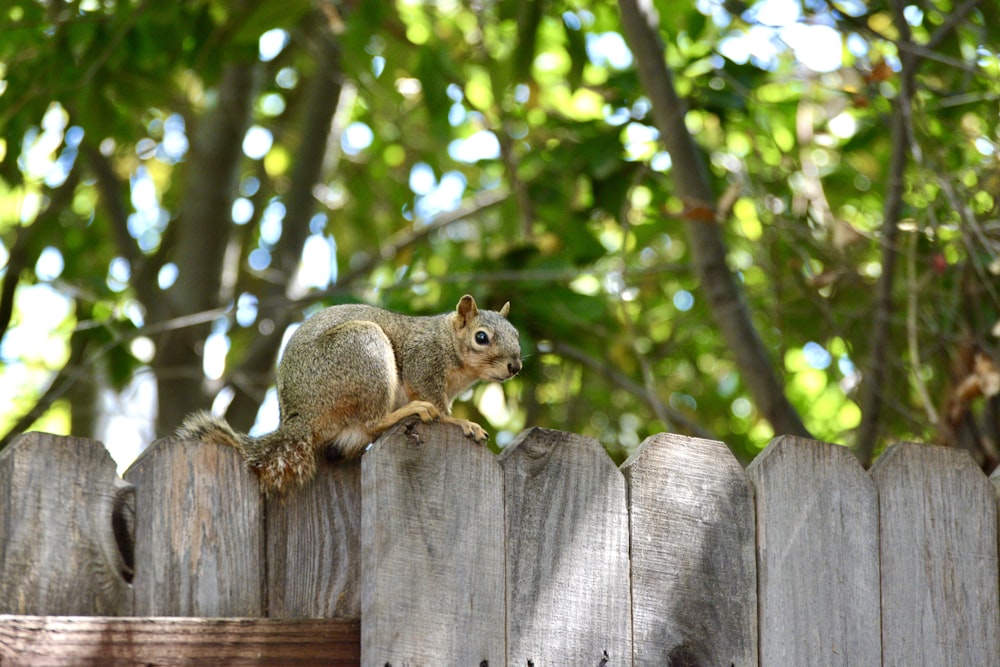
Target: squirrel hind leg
349,443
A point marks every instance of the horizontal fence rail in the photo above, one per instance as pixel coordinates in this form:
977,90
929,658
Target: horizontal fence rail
547,554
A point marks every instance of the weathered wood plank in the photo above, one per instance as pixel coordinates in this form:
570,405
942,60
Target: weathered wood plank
693,555
199,532
938,522
567,552
817,554
432,550
314,546
84,641
65,528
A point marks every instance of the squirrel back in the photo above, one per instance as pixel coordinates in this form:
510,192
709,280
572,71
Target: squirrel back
351,371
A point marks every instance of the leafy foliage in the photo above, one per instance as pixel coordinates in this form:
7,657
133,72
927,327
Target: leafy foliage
508,149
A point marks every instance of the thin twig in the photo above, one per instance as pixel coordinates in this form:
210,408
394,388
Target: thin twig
616,377
912,334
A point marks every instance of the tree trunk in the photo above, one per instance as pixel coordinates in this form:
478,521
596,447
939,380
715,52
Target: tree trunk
708,248
202,235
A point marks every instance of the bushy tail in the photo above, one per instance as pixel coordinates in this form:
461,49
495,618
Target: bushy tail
281,459
204,427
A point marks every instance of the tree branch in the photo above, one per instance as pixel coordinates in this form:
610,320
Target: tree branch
645,394
876,377
23,252
691,181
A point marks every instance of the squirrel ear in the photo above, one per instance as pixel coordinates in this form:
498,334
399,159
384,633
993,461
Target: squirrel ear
505,310
467,308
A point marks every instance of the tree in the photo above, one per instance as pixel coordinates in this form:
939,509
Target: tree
702,225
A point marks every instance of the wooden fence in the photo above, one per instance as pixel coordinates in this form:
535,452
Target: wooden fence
545,555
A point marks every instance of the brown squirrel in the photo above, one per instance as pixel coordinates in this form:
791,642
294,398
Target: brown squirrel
350,372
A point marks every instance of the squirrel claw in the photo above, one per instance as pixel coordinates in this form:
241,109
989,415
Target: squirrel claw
472,430
426,411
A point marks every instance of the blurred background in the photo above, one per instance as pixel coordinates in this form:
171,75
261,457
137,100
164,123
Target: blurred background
723,219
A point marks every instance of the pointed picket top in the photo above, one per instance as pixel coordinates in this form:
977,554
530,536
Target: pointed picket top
938,526
432,549
200,532
66,533
567,552
694,577
817,552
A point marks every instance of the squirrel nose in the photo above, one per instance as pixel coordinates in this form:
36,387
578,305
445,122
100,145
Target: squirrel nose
514,366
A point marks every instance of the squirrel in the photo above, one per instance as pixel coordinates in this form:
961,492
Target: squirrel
351,371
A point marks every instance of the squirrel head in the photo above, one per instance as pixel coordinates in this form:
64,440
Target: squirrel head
486,342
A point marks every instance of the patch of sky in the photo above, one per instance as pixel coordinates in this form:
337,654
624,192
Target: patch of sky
272,104
119,273
246,309
816,356
356,137
683,300
149,220
174,145
257,142
214,357
270,222
50,264
608,49
481,145
242,210
446,195
779,25
522,93
249,186
287,78
913,15
38,147
422,178
661,162
49,308
457,114
317,223
317,268
616,115
271,44
167,275
259,259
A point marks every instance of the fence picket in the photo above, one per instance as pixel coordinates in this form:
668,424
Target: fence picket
817,555
694,576
567,552
199,538
65,528
938,525
432,550
547,554
314,546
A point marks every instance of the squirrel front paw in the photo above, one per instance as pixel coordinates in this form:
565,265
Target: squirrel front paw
469,429
423,409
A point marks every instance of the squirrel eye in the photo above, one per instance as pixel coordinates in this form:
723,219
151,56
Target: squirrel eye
482,338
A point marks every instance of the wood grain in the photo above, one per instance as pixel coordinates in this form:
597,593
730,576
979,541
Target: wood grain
199,532
938,522
567,552
817,555
66,641
432,549
314,546
60,502
694,571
